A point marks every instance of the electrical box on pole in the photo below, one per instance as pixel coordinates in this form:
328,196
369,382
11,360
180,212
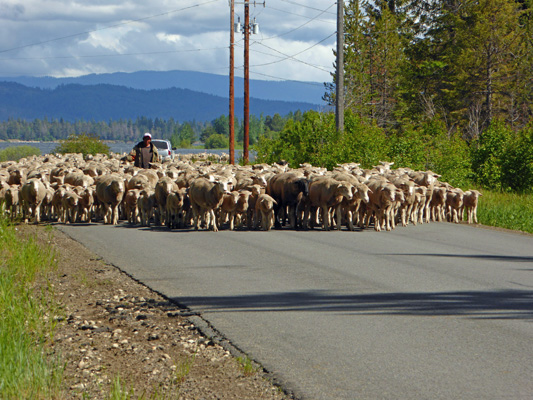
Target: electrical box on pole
247,29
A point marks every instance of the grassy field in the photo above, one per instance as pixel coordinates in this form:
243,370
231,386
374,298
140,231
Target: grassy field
25,371
506,210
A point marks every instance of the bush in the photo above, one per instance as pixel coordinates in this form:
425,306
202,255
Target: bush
308,140
17,152
517,163
84,144
360,142
487,155
217,141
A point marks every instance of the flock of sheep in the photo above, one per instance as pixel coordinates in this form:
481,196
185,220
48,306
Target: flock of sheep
182,193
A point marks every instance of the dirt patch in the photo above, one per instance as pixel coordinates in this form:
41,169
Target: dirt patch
113,331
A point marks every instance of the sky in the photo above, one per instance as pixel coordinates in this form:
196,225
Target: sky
67,38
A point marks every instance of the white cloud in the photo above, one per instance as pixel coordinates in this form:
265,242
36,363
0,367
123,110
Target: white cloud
69,38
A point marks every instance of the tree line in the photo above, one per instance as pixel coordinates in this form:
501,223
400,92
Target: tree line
466,63
214,134
445,85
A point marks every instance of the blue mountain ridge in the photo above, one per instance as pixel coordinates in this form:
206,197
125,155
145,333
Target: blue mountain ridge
217,85
103,102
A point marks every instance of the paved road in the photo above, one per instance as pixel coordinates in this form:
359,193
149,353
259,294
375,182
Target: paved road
436,311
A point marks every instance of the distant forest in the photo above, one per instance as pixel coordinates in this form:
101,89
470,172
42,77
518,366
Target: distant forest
181,134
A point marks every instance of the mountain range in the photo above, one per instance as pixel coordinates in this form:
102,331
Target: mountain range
182,95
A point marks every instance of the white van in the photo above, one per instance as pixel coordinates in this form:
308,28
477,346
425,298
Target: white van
164,148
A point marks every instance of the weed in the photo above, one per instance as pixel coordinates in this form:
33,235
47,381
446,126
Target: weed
247,366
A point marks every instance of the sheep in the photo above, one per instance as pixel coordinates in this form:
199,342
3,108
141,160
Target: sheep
146,204
32,194
326,193
382,197
287,189
69,205
454,203
177,206
110,191
205,197
264,207
131,209
470,201
12,200
163,188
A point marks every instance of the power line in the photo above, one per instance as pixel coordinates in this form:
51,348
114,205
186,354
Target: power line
293,57
107,27
301,26
300,15
305,6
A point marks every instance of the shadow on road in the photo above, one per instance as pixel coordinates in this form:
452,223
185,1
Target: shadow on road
480,256
498,304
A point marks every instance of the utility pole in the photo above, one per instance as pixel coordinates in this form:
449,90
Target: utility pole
232,85
247,30
246,140
339,104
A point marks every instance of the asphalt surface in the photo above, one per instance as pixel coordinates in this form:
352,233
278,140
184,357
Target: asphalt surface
436,311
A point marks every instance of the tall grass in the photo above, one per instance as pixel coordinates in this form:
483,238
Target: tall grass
25,371
506,210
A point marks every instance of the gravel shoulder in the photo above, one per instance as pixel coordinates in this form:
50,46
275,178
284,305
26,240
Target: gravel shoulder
115,332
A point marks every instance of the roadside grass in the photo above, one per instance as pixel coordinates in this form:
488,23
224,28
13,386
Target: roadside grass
247,366
26,319
506,210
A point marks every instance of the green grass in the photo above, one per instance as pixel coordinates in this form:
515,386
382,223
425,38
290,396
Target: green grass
506,210
26,319
247,366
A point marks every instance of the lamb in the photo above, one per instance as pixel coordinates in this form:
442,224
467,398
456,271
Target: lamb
264,208
146,205
428,180
131,209
438,203
243,204
326,193
227,208
69,205
382,197
163,188
205,197
288,189
454,203
85,203
32,194
12,200
470,200
177,207
110,191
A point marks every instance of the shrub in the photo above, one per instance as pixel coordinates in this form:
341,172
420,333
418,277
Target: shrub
360,142
217,141
17,152
84,144
487,155
517,163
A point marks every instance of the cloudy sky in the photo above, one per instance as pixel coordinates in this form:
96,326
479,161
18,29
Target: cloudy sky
77,37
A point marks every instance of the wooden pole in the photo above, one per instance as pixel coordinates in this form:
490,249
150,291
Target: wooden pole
339,104
246,139
232,85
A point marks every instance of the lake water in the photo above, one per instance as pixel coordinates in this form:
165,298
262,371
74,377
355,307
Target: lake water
119,147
